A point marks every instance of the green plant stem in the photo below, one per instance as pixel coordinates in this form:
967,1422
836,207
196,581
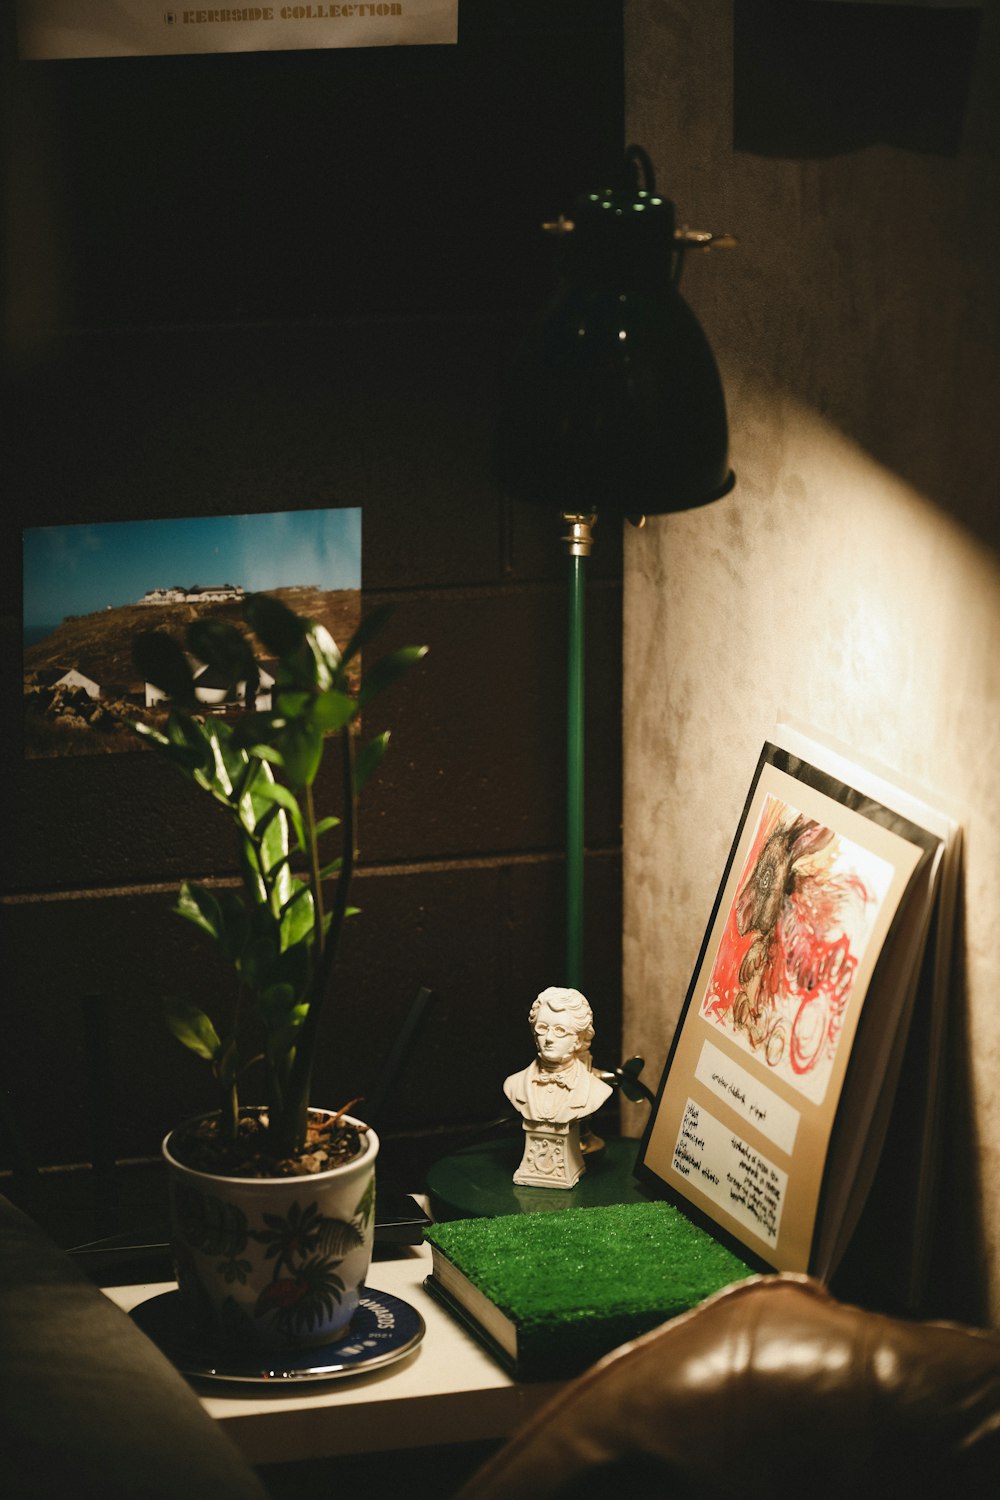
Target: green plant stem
292,1130
314,877
231,1112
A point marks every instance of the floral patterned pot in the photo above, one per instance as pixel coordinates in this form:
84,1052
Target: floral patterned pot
277,1262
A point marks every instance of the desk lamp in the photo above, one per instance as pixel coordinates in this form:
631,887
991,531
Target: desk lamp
614,405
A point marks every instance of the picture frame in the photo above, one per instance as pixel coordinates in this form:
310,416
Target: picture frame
778,1087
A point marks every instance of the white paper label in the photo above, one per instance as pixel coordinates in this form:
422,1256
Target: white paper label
760,1106
729,1172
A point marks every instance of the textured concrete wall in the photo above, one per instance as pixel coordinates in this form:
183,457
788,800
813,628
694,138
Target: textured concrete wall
852,579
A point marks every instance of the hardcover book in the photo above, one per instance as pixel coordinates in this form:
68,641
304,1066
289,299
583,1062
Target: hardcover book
550,1293
815,1014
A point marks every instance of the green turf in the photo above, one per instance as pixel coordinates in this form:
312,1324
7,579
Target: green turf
580,1282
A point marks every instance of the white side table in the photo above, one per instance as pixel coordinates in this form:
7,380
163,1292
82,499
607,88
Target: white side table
449,1390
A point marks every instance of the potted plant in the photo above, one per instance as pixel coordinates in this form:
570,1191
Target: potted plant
272,1205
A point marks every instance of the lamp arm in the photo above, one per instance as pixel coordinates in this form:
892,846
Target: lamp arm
626,1077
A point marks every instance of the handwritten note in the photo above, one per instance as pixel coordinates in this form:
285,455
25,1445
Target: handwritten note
713,1158
759,1105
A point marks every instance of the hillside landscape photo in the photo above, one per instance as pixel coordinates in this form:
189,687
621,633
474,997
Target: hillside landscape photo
82,690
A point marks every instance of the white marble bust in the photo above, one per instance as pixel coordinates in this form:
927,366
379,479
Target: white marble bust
558,1086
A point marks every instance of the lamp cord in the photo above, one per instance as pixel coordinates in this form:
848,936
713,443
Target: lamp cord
637,158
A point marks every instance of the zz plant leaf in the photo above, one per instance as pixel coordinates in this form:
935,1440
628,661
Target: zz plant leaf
161,660
192,1027
263,767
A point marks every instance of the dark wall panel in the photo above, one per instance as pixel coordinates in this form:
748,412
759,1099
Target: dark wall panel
239,284
251,186
484,936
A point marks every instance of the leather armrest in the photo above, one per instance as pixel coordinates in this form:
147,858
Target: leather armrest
88,1405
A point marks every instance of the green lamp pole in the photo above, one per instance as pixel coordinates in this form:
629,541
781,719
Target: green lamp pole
578,540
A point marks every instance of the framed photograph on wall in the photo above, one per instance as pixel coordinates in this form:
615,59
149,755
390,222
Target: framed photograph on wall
88,589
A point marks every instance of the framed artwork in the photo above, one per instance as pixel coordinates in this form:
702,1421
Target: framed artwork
777,1091
784,977
89,589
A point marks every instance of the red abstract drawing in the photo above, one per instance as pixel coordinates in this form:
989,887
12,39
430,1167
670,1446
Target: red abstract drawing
796,930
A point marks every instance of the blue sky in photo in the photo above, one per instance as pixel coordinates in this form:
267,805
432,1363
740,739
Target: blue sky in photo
75,570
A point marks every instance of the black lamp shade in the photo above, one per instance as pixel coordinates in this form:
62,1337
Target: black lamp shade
615,403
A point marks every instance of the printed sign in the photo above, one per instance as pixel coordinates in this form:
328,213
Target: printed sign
143,28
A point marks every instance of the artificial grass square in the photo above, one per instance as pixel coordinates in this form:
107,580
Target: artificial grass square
577,1283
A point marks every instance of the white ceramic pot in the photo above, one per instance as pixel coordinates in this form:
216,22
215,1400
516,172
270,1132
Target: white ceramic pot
275,1262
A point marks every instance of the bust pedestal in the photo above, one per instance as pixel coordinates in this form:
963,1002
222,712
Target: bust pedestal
552,1155
477,1181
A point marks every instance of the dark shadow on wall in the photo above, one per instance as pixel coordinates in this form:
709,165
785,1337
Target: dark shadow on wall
277,281
958,1274
819,79
883,123
952,1282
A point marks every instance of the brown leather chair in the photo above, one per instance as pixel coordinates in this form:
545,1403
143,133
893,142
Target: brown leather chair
770,1388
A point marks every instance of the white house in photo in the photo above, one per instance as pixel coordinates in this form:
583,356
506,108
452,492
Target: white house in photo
222,593
175,595
75,679
213,690
212,593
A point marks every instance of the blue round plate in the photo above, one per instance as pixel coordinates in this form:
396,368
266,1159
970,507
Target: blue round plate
384,1329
